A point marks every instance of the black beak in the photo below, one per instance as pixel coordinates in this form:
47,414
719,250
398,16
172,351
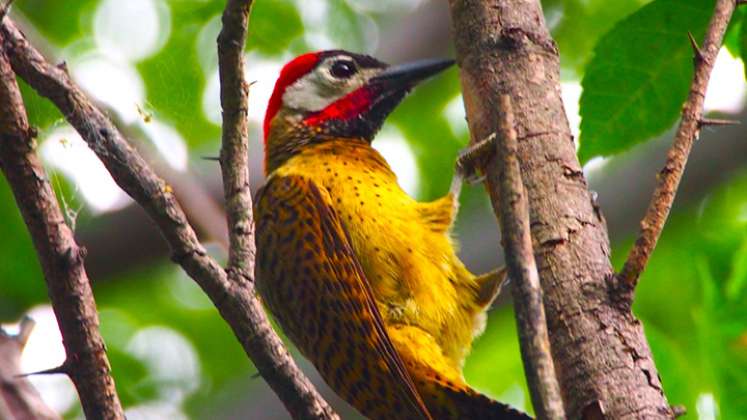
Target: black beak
380,96
405,76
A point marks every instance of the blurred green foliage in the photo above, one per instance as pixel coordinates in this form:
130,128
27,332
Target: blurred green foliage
692,298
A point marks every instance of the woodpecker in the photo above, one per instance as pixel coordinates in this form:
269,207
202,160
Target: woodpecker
362,278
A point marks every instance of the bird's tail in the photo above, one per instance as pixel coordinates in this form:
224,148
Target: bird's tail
448,399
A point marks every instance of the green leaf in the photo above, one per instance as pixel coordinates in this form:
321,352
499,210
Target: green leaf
21,279
578,24
495,366
639,76
59,21
733,36
738,277
175,83
743,40
273,25
41,112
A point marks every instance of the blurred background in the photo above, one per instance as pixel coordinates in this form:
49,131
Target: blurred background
151,64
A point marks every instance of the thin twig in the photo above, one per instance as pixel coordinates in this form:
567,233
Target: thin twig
60,257
522,269
4,9
234,155
234,159
670,176
24,331
236,302
716,121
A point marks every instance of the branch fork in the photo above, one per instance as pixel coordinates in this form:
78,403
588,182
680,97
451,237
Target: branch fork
692,121
231,289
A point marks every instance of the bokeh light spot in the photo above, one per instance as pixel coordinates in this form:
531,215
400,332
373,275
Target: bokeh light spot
44,350
132,29
261,72
171,361
116,84
391,144
169,143
727,86
65,150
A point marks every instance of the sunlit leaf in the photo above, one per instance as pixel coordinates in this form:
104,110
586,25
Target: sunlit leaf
733,36
41,112
634,87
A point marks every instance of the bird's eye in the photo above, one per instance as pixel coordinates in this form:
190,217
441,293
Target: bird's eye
342,69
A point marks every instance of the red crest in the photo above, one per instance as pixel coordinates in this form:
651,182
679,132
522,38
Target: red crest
295,69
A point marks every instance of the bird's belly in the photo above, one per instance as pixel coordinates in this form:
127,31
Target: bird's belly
407,264
413,271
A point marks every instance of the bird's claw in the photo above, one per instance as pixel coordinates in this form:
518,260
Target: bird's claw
468,163
475,179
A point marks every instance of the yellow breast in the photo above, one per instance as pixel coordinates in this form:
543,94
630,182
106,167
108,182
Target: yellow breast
404,246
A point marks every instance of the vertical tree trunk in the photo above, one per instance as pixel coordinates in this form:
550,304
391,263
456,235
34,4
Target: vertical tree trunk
601,356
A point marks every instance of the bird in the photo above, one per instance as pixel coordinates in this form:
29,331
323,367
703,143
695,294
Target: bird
361,277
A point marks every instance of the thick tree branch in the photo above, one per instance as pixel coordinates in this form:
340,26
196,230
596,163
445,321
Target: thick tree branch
19,400
669,177
60,257
513,214
600,353
235,300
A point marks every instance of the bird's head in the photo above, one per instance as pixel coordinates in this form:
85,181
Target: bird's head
335,94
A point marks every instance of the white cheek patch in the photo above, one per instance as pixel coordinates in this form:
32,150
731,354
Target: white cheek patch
318,89
307,93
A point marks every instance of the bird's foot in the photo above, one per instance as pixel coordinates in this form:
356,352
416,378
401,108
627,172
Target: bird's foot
467,167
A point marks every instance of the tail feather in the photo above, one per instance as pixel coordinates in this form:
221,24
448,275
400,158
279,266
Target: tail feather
449,400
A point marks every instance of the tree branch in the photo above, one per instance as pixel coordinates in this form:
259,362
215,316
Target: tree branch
234,159
235,301
602,360
513,214
669,177
234,154
5,8
18,397
60,257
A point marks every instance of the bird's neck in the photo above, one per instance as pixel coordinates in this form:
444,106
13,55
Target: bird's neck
338,160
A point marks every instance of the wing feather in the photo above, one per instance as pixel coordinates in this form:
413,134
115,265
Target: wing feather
311,280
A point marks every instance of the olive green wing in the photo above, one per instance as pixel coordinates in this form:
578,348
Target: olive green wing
312,282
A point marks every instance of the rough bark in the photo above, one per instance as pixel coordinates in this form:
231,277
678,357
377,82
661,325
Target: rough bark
234,159
601,356
60,257
235,301
513,214
19,400
234,154
669,177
